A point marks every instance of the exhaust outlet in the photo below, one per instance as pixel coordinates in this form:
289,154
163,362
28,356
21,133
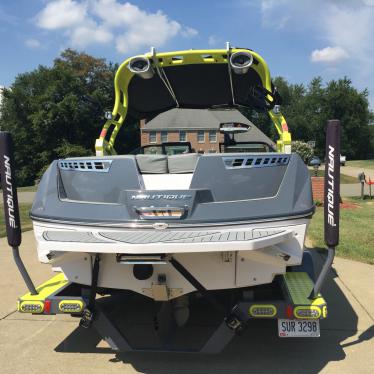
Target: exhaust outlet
240,62
141,66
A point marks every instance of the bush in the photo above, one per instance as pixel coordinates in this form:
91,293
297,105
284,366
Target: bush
304,150
66,150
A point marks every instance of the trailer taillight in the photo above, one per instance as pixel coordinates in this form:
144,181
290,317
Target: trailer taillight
70,306
35,307
307,312
289,311
259,311
47,306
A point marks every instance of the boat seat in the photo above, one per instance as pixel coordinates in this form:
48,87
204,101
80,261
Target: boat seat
162,164
152,164
183,163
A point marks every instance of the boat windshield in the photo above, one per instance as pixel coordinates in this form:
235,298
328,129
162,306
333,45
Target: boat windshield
169,148
247,147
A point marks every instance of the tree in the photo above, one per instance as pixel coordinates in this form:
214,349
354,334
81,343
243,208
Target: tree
344,102
51,111
304,150
307,110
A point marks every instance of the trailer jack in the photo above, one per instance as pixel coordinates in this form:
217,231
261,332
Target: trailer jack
236,320
88,312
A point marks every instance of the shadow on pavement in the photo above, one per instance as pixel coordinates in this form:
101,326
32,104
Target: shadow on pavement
258,350
363,337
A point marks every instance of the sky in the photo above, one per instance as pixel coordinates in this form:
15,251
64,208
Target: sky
298,39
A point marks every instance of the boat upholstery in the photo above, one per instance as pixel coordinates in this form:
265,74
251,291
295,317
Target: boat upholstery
152,164
162,164
183,163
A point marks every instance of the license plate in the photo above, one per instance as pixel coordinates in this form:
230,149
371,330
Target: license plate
292,328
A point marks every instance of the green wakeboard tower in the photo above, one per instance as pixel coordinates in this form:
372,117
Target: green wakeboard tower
149,84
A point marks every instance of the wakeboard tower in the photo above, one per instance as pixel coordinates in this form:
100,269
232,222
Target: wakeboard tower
173,233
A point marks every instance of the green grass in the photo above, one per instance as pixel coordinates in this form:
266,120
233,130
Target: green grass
25,219
344,179
368,164
27,189
356,231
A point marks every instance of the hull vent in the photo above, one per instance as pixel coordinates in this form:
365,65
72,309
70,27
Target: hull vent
101,166
255,161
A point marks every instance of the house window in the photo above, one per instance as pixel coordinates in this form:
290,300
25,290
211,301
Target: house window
182,136
212,136
152,137
201,136
164,136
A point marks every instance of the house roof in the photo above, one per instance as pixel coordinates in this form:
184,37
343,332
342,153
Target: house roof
205,119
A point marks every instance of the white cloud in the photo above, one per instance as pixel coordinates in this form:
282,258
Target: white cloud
213,41
346,26
32,43
351,28
189,32
154,30
117,14
344,23
83,36
61,14
273,14
329,55
97,21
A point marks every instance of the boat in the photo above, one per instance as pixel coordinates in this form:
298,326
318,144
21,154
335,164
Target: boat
168,248
232,220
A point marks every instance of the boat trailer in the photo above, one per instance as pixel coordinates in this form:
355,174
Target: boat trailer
293,298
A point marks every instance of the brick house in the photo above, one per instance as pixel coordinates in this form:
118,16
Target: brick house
200,127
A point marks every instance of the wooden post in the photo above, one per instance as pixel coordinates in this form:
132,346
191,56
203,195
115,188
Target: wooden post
362,190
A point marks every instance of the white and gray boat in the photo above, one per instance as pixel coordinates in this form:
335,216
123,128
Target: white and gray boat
229,220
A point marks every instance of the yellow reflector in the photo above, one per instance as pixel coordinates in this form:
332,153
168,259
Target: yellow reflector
70,306
324,311
31,307
307,312
263,310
